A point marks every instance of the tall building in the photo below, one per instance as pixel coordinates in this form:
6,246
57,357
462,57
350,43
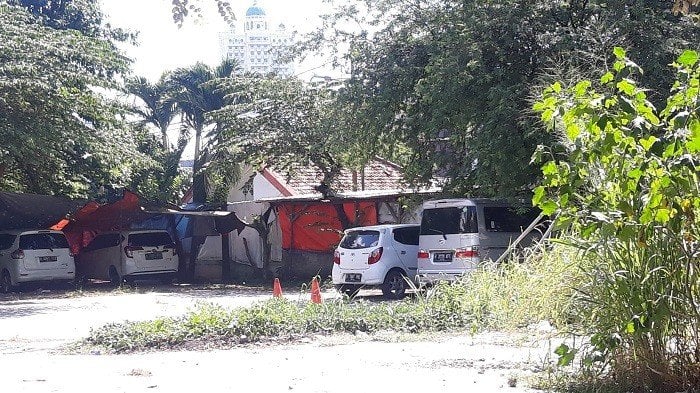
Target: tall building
257,50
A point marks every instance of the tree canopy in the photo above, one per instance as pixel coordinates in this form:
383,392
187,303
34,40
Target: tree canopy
446,86
61,134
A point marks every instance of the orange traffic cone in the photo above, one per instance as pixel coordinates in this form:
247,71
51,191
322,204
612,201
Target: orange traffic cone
277,288
315,292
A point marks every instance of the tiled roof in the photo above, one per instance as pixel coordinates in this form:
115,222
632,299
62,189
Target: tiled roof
378,175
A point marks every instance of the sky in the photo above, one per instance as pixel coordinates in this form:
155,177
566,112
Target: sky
163,46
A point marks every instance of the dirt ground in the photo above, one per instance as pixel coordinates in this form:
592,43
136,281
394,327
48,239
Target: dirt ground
36,327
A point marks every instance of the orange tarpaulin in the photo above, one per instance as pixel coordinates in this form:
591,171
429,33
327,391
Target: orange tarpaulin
316,226
94,218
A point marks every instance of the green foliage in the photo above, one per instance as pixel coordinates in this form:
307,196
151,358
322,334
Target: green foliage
444,87
283,122
195,93
624,176
282,318
61,135
510,296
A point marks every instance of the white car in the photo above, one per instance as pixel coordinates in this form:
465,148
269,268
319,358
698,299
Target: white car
128,255
382,256
34,255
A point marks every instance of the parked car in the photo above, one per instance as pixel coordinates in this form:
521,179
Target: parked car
128,255
34,255
381,256
457,234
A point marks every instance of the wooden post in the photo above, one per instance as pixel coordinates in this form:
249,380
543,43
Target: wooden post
225,258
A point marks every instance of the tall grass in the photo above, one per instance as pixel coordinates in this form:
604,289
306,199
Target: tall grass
640,305
523,292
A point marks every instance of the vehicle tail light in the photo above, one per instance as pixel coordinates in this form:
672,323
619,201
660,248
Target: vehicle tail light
17,254
422,254
336,258
375,255
467,252
129,251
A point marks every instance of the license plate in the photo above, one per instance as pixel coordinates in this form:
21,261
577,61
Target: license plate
48,259
442,257
353,277
153,255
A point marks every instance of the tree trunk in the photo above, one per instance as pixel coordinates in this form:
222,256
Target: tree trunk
199,188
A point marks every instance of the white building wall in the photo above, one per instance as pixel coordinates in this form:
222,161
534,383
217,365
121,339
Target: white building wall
252,186
257,49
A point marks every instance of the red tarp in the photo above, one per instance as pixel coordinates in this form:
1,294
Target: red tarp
316,226
93,219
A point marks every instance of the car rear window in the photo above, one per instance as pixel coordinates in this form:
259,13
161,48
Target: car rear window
360,239
42,241
150,239
449,221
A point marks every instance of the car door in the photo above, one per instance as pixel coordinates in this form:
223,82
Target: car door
405,244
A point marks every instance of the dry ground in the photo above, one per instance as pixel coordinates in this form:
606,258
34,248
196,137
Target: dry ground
36,327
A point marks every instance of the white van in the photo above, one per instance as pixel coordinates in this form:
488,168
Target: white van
128,255
34,255
381,256
457,234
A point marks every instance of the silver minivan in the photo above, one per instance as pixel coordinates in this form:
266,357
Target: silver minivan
128,255
457,234
34,255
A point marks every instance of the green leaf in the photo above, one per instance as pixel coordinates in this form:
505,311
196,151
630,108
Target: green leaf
573,131
693,143
626,87
607,78
548,207
688,58
537,196
662,216
550,168
629,328
556,87
647,143
619,53
566,355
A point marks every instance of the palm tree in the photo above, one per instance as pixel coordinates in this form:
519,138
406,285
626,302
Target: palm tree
156,108
195,94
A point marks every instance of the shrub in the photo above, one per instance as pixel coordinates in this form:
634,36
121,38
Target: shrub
625,179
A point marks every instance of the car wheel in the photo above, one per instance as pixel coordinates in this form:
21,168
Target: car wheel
6,282
114,277
394,286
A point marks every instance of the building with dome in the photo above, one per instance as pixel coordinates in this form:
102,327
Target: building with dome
259,47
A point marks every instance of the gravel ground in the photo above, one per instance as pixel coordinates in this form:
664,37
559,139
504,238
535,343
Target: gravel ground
36,327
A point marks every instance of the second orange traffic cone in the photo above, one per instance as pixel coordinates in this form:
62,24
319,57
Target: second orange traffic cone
315,292
277,288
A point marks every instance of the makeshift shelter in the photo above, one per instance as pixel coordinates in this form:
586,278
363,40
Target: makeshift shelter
293,228
32,211
94,218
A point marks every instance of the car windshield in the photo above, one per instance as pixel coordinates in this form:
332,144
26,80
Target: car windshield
360,239
150,239
449,221
42,241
